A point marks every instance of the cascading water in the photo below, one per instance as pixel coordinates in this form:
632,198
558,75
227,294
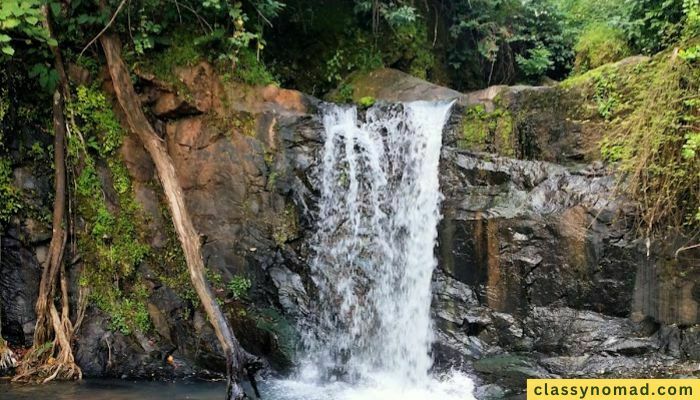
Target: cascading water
374,243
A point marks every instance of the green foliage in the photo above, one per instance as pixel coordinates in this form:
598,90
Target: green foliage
169,263
536,64
10,202
102,130
599,44
605,96
188,50
405,37
126,314
646,26
111,242
21,20
239,286
691,10
227,27
501,41
286,227
396,13
653,25
581,14
184,51
251,70
366,102
362,57
345,92
146,32
652,114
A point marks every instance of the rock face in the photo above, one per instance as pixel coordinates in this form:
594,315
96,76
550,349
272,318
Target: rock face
540,271
225,141
225,145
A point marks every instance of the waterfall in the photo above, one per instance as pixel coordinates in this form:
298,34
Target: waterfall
374,256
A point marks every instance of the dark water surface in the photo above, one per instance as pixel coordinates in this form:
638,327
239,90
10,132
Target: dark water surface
98,389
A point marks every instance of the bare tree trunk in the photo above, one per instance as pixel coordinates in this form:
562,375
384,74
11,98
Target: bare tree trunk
237,359
52,327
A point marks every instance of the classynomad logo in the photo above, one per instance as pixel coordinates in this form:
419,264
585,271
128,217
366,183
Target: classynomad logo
613,389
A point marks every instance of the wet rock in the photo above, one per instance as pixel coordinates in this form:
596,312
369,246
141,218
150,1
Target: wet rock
395,86
490,392
575,332
510,370
690,343
292,294
19,274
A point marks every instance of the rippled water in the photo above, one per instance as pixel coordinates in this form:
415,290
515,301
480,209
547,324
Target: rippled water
101,389
114,390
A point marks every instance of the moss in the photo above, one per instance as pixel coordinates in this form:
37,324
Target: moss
366,101
287,226
245,124
111,241
649,110
10,201
248,69
183,52
488,131
344,93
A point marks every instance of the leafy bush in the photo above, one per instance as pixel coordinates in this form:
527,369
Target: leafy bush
598,45
9,194
21,19
349,58
503,41
239,286
655,144
581,14
251,70
536,64
653,25
691,9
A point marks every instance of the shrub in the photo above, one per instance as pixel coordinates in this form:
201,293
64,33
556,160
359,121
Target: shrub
599,44
653,139
536,64
239,286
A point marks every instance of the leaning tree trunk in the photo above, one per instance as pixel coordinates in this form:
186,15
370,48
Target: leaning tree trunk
54,329
237,359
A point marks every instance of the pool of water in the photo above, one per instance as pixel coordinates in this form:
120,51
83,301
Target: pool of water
99,389
456,387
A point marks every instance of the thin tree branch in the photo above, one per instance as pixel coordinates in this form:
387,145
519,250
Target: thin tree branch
111,21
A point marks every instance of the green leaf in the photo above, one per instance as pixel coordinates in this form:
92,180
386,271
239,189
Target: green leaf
52,42
56,8
8,50
44,80
4,38
10,23
36,70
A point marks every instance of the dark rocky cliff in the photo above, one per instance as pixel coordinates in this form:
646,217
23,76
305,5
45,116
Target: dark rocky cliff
541,271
